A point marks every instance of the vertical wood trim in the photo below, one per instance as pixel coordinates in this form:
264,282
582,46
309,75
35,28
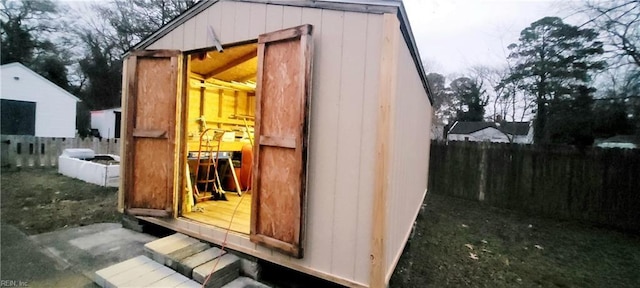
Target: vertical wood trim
182,103
255,201
235,102
123,133
386,98
220,105
132,87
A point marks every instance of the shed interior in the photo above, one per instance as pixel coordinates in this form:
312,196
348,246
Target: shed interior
219,134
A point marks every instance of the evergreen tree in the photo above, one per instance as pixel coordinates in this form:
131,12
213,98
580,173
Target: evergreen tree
553,62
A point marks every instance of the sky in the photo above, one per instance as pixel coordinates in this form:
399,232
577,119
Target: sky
454,35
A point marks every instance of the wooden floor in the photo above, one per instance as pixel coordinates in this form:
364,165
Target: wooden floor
219,213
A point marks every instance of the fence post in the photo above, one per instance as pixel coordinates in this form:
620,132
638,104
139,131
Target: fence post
4,152
484,146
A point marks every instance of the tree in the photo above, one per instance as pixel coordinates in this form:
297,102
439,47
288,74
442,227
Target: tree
470,99
122,24
26,38
442,98
552,60
505,102
571,120
619,23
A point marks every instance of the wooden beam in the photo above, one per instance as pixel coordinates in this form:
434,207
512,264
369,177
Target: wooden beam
233,63
386,98
123,133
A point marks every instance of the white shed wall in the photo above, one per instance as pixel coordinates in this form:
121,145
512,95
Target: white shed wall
55,108
411,140
347,48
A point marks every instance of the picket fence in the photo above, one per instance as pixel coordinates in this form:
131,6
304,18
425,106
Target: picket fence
29,151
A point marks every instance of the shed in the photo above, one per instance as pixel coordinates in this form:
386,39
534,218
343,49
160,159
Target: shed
33,105
325,107
107,122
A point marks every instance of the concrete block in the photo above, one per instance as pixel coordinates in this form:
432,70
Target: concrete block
227,268
189,284
131,223
163,241
175,257
103,274
186,265
159,251
148,279
132,274
244,282
172,280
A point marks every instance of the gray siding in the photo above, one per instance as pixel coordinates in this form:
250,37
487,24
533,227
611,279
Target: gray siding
410,156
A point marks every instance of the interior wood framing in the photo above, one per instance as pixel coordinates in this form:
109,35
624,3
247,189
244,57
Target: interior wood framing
219,94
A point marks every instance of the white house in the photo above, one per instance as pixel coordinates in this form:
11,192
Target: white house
504,132
33,105
107,122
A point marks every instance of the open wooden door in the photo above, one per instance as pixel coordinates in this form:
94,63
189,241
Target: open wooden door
150,147
281,138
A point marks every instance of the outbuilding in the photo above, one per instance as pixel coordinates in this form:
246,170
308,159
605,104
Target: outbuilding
33,105
293,131
107,122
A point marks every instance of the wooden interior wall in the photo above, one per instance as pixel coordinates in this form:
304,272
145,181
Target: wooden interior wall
343,119
233,103
410,157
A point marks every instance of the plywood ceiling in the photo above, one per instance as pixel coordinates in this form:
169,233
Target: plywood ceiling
239,63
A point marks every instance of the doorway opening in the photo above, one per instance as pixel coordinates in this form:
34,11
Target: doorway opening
220,121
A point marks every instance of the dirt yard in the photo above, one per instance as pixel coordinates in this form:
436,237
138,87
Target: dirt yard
461,243
458,243
41,200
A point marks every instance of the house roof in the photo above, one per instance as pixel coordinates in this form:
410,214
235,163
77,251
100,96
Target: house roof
370,6
25,68
468,127
515,128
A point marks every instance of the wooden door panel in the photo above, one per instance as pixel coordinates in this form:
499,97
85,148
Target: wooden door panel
282,110
151,132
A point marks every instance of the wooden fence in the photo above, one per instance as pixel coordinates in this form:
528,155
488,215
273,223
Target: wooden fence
597,185
29,151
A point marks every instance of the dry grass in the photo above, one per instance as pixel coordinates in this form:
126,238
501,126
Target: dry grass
41,200
567,254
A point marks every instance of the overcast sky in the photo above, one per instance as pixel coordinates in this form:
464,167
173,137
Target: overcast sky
453,35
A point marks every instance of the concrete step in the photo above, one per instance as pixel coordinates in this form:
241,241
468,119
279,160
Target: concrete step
167,249
174,261
223,270
141,271
186,265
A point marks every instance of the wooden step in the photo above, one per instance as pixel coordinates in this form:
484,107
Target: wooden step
223,270
141,271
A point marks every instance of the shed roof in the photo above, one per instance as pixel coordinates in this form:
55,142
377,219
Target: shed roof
372,6
53,85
